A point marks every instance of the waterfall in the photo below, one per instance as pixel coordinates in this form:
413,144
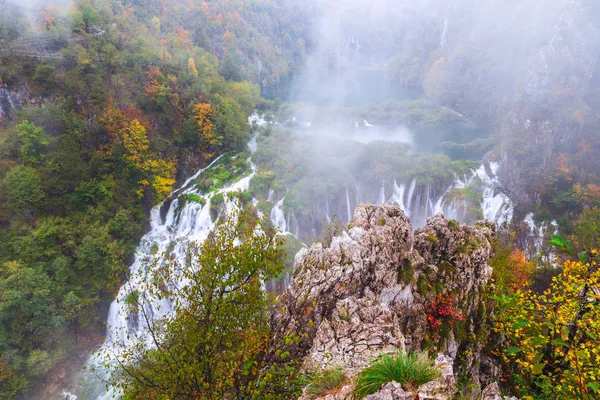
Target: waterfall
398,196
166,240
278,216
348,206
444,33
496,205
411,191
538,235
422,202
382,194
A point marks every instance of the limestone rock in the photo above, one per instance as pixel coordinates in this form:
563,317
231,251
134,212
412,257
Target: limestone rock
492,392
443,388
370,292
391,391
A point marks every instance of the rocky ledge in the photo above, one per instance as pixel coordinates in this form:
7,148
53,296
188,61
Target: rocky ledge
379,287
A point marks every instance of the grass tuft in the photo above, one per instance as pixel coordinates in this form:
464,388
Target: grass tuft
325,382
410,370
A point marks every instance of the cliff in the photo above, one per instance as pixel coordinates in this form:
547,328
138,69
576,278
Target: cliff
376,288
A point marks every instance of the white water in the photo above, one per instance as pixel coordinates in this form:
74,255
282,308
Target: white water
278,216
538,235
444,33
495,205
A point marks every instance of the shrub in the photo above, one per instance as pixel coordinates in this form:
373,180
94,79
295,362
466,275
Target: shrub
408,369
453,224
552,339
325,382
442,315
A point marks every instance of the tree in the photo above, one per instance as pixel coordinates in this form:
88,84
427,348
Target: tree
212,346
24,189
137,151
33,142
552,344
29,318
210,142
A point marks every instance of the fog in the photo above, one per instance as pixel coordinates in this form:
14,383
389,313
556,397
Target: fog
496,78
479,49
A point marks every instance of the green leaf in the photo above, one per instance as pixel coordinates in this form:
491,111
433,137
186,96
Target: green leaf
538,368
594,386
583,257
539,341
520,324
512,350
569,248
559,342
592,335
557,241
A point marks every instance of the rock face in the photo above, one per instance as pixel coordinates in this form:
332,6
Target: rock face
559,71
9,102
375,288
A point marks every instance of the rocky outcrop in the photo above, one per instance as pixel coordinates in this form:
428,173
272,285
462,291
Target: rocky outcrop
375,289
9,102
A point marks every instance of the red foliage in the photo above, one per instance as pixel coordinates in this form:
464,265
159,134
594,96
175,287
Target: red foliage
442,309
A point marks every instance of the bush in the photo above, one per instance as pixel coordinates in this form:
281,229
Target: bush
408,369
325,382
552,339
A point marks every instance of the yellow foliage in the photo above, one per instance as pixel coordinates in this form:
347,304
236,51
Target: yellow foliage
553,339
209,140
192,66
135,142
137,151
155,24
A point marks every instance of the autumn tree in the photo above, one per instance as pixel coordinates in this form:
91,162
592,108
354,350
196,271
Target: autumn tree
552,340
210,142
157,171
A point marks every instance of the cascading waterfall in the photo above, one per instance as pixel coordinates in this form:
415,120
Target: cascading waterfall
167,238
278,216
348,206
496,205
444,33
538,235
411,191
421,202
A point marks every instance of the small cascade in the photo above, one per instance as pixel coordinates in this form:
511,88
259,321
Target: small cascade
382,199
496,205
367,124
411,192
278,216
538,235
348,206
444,33
398,196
